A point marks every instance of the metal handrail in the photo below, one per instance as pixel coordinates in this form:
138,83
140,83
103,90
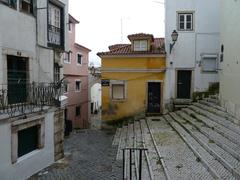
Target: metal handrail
130,160
20,99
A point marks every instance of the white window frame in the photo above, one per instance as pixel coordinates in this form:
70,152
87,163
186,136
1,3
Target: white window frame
118,82
78,53
209,57
54,15
185,14
67,58
140,45
70,27
80,85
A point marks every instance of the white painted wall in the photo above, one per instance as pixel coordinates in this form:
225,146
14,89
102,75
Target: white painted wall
32,162
20,33
189,46
230,73
96,94
27,34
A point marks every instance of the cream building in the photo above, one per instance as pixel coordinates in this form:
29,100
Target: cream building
230,56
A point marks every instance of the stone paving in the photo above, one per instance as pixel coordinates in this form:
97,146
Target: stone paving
89,156
201,141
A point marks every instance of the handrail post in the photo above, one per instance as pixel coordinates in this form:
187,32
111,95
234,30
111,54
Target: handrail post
130,163
123,163
140,165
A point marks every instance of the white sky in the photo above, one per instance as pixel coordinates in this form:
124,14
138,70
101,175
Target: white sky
100,22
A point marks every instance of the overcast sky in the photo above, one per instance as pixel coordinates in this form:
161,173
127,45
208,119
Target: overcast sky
100,22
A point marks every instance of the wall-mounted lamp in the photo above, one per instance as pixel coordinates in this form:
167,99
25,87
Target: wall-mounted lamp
174,39
92,70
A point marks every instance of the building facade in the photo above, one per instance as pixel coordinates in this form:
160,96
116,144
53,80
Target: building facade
76,76
229,61
133,77
32,40
192,64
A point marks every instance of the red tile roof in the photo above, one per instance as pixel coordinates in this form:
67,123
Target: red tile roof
140,36
80,46
116,46
72,19
157,47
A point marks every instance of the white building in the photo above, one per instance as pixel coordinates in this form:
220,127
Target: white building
32,40
192,65
230,56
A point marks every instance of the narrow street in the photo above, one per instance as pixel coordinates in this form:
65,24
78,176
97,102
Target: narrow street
89,156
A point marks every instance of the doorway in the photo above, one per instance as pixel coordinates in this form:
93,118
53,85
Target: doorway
184,78
17,79
154,97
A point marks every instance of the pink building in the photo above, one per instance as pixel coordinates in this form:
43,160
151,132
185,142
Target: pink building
76,73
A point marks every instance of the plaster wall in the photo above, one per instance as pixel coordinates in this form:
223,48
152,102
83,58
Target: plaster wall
26,165
230,67
186,54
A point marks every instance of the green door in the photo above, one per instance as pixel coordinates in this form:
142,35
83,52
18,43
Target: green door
17,79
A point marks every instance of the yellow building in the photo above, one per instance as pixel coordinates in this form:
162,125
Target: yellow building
133,77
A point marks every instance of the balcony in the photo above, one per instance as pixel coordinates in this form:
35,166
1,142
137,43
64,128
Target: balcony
55,37
28,98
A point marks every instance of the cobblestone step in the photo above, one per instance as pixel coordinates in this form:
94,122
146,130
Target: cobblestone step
154,158
220,140
130,143
217,170
220,114
213,100
147,172
178,158
136,131
122,143
139,144
216,124
231,163
117,136
208,103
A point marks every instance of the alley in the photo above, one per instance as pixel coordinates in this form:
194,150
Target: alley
89,156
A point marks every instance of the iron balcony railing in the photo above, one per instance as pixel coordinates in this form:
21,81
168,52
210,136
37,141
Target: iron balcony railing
54,35
19,99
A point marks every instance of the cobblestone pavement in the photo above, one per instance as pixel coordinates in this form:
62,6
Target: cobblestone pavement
89,156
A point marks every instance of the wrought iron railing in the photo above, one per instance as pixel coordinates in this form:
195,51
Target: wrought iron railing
54,35
20,99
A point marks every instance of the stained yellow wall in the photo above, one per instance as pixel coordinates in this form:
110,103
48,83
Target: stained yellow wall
136,83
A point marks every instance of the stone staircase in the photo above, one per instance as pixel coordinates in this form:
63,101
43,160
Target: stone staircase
201,141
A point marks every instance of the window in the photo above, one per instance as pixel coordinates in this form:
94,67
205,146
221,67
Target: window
78,110
209,63
79,59
67,57
65,88
10,3
27,136
118,90
185,21
26,6
70,27
17,75
55,29
27,140
78,85
56,72
140,45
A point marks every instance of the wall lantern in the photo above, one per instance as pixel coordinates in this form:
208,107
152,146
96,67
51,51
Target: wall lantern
174,39
92,71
